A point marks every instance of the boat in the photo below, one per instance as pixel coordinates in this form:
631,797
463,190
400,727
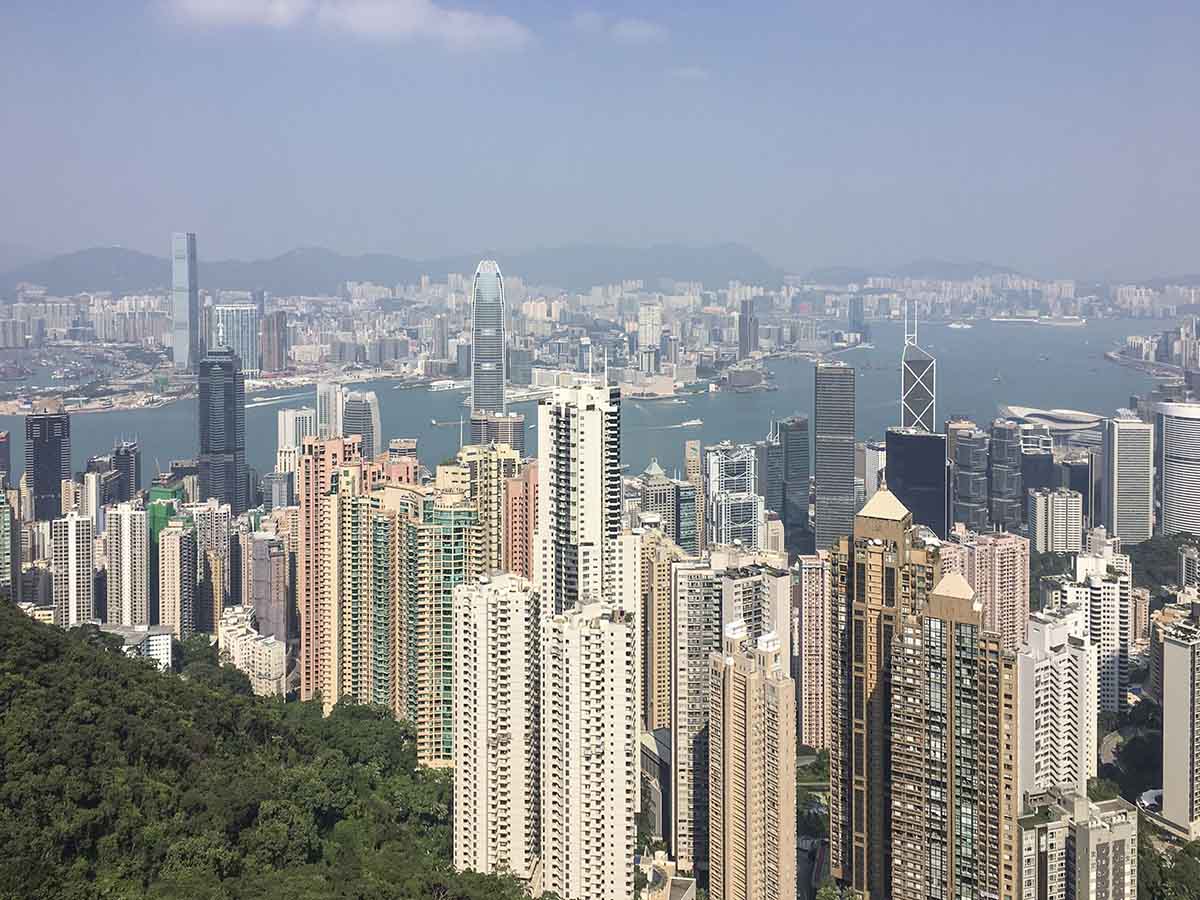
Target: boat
690,423
960,325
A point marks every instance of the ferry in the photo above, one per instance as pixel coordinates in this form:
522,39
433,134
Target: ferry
691,423
960,325
446,385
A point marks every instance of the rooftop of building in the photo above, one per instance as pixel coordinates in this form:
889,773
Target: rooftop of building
884,505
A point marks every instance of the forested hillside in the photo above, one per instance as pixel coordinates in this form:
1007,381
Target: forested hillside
117,781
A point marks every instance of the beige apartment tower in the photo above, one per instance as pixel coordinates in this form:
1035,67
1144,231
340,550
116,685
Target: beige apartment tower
810,648
177,578
953,773
752,770
589,753
496,733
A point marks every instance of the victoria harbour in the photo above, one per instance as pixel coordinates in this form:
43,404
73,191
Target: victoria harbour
979,369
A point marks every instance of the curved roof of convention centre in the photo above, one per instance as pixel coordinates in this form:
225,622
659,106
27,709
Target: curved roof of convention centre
1054,419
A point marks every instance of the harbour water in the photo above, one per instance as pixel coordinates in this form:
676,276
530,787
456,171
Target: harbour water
980,368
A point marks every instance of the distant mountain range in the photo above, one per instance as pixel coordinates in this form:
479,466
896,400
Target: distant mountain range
313,270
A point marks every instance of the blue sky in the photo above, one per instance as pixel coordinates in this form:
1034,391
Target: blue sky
1060,138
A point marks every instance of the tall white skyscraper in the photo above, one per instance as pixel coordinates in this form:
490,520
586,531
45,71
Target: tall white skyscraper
1110,607
127,547
1177,446
650,323
496,735
735,511
579,495
294,425
330,402
487,339
185,303
1128,484
1057,682
360,415
589,753
72,557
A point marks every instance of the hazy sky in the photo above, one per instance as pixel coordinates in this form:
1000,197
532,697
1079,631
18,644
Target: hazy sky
1063,138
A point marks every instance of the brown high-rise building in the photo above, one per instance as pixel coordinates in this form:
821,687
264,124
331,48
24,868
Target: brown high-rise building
658,555
520,520
953,754
693,464
878,576
275,344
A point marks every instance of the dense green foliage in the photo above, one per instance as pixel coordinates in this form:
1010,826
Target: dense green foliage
117,781
1156,561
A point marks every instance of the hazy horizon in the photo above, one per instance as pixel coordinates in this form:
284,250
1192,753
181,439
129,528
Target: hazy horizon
1055,141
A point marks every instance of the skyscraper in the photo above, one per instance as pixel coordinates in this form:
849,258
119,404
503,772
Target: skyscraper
752,770
579,494
952,753
222,426
918,474
127,548
1055,520
177,578
185,303
499,428
1177,445
497,739
482,473
996,566
360,415
918,379
47,459
885,570
1128,479
1181,727
319,461
127,461
330,402
735,509
1006,496
769,469
6,470
294,425
589,753
794,437
970,448
72,570
1057,679
810,647
693,463
275,342
747,329
730,584
487,339
833,441
520,522
239,323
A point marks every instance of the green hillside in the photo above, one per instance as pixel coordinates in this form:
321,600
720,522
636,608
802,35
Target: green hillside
117,781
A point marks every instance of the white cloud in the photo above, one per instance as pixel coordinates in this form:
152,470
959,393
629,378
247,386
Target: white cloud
269,13
410,20
637,31
383,20
590,21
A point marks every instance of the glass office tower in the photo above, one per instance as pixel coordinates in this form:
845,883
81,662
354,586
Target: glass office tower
487,337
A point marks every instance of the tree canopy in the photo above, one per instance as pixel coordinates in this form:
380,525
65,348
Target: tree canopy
118,781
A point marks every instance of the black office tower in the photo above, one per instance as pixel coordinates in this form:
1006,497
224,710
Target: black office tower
970,499
794,439
127,461
833,457
918,473
222,415
47,460
1006,494
747,329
